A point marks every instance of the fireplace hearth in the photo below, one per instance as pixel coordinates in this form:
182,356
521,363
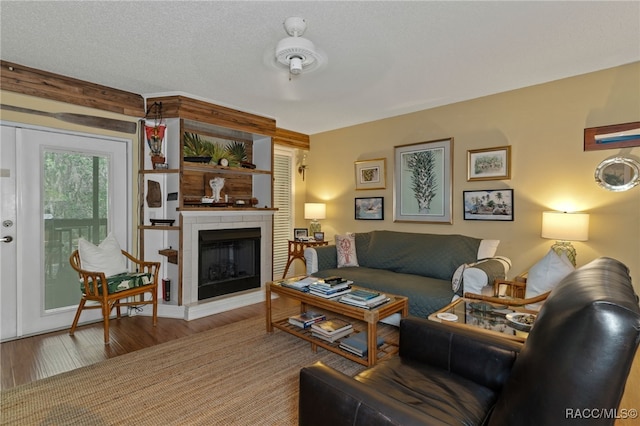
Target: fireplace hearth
228,261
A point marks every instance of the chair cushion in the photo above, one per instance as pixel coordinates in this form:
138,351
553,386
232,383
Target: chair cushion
125,281
546,274
443,397
106,257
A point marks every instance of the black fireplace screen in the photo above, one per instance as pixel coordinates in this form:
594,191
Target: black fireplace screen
228,261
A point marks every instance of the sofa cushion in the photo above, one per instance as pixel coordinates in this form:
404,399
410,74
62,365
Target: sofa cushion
426,295
346,250
428,255
125,281
434,392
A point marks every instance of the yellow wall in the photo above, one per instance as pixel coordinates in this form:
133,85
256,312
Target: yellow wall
40,104
550,171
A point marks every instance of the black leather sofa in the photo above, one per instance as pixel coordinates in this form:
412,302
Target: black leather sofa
575,363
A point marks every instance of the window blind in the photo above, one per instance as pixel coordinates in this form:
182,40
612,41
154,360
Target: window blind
283,201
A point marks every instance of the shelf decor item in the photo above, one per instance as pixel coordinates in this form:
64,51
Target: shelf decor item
155,134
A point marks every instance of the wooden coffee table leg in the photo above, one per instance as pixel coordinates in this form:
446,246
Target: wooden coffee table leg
372,339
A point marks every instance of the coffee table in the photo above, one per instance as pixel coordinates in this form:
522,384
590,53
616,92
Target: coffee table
493,322
368,317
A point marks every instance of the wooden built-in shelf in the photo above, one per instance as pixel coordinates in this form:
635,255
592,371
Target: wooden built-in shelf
208,168
160,227
159,171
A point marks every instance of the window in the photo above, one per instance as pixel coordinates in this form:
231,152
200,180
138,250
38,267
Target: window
283,201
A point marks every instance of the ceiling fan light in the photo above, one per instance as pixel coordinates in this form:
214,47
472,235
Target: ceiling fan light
295,66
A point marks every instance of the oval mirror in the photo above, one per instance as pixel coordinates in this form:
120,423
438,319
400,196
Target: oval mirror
618,174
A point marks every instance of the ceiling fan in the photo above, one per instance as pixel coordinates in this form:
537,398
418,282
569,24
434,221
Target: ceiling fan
297,53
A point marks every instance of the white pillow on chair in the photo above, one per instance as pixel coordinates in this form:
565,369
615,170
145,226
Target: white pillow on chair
106,257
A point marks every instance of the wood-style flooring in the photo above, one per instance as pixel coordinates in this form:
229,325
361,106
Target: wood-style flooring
34,358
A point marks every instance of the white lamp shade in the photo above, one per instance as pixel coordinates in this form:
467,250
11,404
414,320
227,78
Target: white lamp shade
315,210
565,226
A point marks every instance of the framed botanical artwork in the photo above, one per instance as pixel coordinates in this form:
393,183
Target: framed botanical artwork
300,233
616,136
423,182
488,204
371,208
371,174
489,163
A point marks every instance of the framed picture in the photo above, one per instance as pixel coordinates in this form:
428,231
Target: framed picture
609,137
371,208
371,174
489,204
489,163
300,233
318,236
423,182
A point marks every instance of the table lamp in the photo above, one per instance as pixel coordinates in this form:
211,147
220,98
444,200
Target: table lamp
565,227
315,211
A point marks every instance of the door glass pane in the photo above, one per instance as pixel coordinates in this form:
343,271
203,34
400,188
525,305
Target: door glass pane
75,204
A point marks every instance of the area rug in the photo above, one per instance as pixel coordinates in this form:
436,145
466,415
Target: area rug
234,375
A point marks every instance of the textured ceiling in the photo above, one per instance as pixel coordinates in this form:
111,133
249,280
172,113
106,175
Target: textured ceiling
385,58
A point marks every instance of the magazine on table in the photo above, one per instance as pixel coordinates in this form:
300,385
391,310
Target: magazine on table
357,343
331,327
306,319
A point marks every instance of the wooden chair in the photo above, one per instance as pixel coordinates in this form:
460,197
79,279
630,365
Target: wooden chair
96,287
514,294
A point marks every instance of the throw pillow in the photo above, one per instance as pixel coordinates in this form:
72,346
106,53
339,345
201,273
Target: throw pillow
487,248
546,274
346,249
106,257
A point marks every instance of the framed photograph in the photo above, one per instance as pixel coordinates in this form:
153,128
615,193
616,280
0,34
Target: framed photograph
423,182
615,136
489,204
371,208
318,236
300,233
489,163
371,174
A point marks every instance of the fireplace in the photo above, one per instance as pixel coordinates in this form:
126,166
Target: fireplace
228,261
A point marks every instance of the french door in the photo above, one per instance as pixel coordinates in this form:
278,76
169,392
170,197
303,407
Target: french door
56,187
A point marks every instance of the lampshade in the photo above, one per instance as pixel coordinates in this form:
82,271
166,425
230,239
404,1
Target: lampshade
315,210
565,226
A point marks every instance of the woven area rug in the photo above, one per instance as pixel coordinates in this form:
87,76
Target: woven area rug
234,375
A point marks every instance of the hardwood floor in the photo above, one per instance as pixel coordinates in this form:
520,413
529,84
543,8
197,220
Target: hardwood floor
34,358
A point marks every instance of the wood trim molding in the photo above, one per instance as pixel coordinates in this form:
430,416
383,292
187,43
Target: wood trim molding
30,81
291,139
205,112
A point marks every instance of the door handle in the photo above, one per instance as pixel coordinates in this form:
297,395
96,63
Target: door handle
6,239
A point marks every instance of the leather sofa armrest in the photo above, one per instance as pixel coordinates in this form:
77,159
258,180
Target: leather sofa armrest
328,397
320,258
481,358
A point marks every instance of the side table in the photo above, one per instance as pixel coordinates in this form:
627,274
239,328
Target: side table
296,251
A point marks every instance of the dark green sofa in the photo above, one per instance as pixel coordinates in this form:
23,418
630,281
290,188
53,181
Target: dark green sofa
419,266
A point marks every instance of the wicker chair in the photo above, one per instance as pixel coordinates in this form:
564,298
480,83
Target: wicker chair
93,284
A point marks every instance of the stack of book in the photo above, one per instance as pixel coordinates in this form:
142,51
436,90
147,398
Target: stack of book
357,344
329,290
301,284
365,298
306,319
331,329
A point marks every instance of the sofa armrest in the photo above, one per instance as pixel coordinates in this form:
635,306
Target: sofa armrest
328,397
481,358
320,258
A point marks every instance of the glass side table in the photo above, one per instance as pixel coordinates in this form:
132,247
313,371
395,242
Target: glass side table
483,317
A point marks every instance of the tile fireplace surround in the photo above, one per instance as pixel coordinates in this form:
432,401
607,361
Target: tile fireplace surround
196,221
